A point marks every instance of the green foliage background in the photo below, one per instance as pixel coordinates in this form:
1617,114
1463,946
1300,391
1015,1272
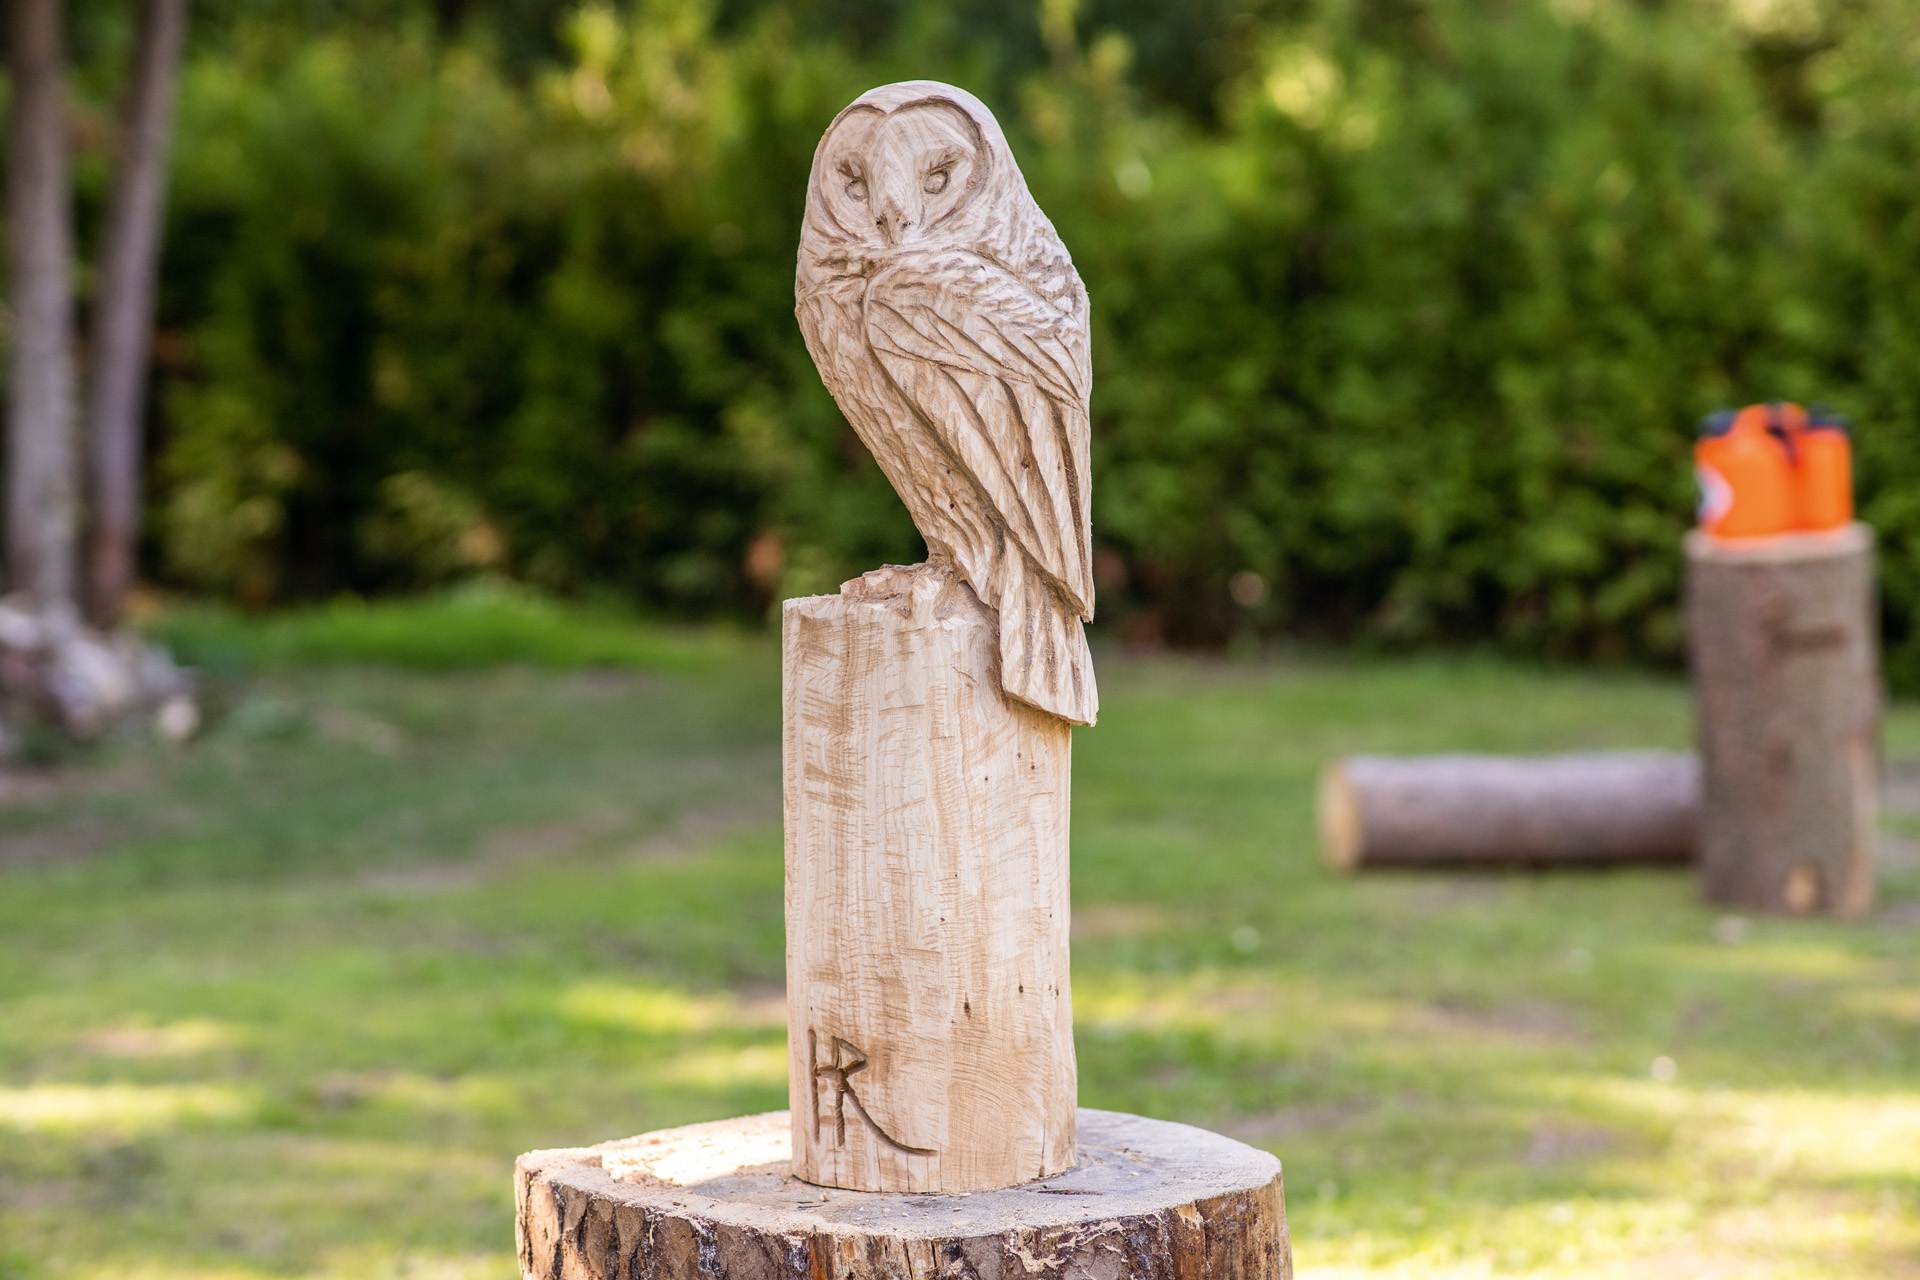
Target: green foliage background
1405,305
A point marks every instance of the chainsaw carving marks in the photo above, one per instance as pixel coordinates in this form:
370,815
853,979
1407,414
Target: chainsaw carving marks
926,897
842,1061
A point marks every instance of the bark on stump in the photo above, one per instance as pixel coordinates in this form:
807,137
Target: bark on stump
1588,809
719,1201
1781,633
930,1025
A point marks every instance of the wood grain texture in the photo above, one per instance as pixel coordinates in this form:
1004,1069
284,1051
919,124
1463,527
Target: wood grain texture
929,1006
1147,1200
1782,638
947,320
1589,808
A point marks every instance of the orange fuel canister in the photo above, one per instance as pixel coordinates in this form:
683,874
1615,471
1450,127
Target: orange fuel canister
1825,473
1745,463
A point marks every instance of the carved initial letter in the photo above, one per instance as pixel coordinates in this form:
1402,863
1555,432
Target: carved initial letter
844,1060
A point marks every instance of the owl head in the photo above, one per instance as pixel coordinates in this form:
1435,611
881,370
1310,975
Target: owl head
914,165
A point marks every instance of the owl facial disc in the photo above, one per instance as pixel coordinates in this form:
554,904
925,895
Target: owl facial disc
892,178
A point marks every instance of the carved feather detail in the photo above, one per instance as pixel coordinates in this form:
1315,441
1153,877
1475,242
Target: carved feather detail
966,376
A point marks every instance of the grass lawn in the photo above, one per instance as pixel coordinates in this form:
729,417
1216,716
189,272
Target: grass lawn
288,1002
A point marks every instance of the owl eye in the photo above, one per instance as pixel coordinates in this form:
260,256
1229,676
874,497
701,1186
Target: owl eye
857,188
936,182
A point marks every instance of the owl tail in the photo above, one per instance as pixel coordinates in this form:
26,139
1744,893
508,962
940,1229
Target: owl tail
1044,659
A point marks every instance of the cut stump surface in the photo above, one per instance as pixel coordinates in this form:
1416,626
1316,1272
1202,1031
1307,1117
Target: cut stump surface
1146,1198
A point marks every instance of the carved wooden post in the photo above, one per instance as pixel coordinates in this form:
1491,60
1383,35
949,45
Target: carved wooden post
1783,642
929,713
930,1025
929,710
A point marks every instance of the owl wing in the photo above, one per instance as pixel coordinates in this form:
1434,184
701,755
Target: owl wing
1001,376
836,341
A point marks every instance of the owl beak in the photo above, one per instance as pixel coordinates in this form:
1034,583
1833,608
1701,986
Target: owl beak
892,220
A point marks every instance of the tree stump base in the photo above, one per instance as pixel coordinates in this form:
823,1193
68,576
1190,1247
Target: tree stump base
719,1202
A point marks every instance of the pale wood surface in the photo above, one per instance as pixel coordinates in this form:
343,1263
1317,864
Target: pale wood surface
929,1007
948,322
1783,642
1590,808
719,1202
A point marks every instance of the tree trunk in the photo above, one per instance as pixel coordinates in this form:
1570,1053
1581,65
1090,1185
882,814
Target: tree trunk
1782,636
719,1201
123,324
930,1023
41,472
1573,810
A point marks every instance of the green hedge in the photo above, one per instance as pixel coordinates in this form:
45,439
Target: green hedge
1412,320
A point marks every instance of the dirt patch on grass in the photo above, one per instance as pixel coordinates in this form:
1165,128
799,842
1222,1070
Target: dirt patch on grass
1902,915
64,842
596,681
1533,1021
1557,1141
176,1040
1115,920
498,852
64,837
1267,1127
509,849
1461,891
1900,786
90,775
702,827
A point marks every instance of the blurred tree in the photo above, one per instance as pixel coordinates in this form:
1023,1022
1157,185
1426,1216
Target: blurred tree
41,465
123,312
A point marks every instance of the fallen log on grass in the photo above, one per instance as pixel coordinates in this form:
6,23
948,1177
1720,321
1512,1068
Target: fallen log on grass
1587,809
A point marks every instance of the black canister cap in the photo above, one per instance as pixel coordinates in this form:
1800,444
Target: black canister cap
1718,423
1821,418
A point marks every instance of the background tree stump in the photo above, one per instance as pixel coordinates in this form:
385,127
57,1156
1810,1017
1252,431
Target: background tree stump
1782,637
719,1201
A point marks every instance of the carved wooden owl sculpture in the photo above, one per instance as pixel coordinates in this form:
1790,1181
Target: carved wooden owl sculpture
948,322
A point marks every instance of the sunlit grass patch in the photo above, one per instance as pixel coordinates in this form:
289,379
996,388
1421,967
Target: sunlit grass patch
1900,1003
1809,961
1818,1137
187,1039
1458,1236
475,1096
724,1068
1231,1007
658,1010
120,1108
